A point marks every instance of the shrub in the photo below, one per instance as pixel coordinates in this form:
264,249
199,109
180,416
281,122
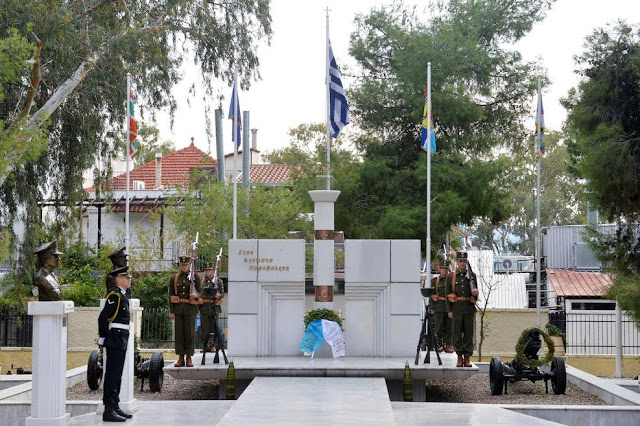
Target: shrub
316,314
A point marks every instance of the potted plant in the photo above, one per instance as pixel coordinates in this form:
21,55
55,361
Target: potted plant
559,338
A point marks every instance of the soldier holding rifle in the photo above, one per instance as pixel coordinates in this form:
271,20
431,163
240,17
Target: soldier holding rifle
444,324
462,291
212,294
183,297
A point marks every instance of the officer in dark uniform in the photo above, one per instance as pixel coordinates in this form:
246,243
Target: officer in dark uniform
444,324
183,309
461,307
118,260
47,285
113,326
212,294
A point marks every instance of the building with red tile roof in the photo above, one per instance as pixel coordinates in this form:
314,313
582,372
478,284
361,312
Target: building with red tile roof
569,283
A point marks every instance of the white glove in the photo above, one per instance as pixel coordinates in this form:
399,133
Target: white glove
101,341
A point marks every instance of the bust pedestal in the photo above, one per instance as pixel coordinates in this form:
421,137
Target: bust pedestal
48,402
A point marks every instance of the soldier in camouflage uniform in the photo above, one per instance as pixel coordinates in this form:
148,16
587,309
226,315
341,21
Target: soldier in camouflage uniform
212,294
183,309
460,303
444,324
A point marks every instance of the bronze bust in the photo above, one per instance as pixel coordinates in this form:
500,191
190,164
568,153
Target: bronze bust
48,286
118,260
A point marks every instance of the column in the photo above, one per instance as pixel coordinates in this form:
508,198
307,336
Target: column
48,403
323,247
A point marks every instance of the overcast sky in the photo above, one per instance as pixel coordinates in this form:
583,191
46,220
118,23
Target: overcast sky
292,89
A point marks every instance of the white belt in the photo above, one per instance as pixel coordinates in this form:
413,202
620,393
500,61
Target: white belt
118,325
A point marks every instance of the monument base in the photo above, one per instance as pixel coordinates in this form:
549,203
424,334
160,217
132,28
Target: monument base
54,421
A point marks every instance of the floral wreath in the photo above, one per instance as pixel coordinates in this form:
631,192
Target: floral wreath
534,363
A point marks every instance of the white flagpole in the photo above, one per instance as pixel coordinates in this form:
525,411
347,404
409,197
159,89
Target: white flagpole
128,157
234,137
328,81
427,281
537,239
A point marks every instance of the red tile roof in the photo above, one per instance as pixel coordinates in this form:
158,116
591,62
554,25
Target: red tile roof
176,169
574,283
269,173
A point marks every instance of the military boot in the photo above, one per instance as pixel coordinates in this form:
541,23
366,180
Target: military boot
122,413
180,362
189,362
110,415
459,363
448,349
467,361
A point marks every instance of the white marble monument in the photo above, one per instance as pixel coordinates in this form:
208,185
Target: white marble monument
266,297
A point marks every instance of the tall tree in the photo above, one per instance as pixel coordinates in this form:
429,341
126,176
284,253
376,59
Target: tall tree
87,49
480,92
604,125
559,201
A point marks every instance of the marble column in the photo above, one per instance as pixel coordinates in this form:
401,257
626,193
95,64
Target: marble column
49,364
128,402
323,247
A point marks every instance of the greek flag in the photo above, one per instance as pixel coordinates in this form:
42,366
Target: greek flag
338,107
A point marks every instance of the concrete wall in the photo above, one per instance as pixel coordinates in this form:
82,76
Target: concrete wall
504,329
82,327
604,366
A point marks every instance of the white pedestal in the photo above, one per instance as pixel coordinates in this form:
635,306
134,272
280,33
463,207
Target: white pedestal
128,402
49,364
323,247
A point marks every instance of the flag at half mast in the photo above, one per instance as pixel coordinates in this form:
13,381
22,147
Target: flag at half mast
540,125
134,144
236,135
338,106
432,135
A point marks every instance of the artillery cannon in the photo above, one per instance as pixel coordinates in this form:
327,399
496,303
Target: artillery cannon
527,366
151,368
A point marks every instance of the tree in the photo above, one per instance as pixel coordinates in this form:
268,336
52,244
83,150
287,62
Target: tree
479,93
604,126
559,201
149,136
273,212
76,99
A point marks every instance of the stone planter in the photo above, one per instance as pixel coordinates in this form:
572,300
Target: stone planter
557,341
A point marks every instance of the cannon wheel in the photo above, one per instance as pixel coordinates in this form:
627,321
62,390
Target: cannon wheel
558,375
94,370
156,372
496,376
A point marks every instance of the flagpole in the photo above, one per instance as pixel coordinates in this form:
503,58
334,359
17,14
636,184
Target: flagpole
537,239
128,157
234,137
328,81
428,143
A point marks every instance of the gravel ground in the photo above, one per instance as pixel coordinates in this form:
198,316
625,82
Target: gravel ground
172,389
475,390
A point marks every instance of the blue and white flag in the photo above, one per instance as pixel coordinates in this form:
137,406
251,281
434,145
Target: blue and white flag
237,135
338,106
320,330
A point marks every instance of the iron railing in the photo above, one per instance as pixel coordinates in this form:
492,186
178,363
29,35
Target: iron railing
157,329
595,334
16,327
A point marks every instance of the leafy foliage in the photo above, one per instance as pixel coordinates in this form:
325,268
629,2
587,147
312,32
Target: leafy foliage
522,343
84,274
152,290
316,314
604,125
479,95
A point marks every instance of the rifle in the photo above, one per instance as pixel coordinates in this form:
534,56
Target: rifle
427,338
213,323
473,280
193,297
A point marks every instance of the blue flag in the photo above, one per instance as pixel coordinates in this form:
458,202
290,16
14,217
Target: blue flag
338,106
237,135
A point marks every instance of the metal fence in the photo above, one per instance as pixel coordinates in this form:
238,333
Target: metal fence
157,329
16,327
595,334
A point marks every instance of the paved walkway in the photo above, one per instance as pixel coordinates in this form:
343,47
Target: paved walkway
317,401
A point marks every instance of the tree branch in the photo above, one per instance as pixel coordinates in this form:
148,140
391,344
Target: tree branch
34,82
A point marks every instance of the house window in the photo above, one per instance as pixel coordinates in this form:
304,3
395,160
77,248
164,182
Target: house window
585,305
